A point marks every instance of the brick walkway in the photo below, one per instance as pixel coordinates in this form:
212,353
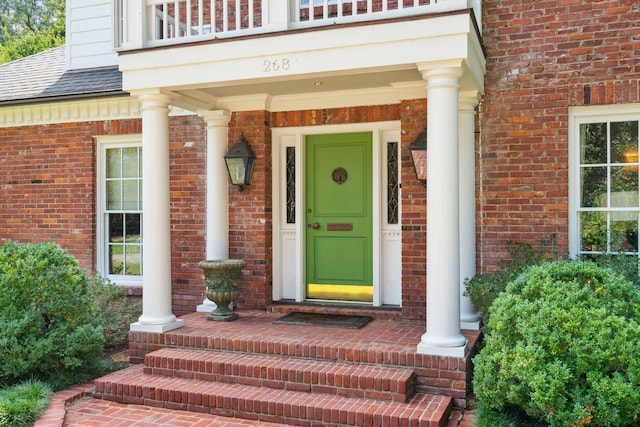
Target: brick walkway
82,411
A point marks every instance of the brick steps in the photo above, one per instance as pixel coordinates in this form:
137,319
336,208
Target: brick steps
297,374
292,374
133,385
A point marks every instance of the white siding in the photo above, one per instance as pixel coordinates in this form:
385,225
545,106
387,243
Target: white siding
90,34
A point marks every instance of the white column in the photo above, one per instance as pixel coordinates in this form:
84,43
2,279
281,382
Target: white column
469,316
217,245
443,335
156,225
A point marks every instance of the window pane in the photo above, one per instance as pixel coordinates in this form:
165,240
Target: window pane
116,258
132,228
624,186
624,231
114,195
593,143
114,163
236,170
291,185
130,162
392,183
624,142
132,260
593,184
116,227
130,201
593,231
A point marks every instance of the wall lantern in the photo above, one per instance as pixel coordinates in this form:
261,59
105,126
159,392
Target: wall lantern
240,160
418,150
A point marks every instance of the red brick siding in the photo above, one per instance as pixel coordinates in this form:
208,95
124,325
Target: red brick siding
48,193
188,148
336,116
543,57
47,184
250,223
414,215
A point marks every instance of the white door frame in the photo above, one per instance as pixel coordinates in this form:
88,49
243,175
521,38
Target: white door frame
288,239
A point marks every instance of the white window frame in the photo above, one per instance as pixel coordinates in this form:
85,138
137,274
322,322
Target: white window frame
577,117
103,143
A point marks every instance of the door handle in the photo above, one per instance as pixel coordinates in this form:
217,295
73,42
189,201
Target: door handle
315,226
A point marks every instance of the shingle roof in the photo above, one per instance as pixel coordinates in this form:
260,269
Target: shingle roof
43,77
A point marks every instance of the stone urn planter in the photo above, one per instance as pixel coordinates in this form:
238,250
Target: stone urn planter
222,278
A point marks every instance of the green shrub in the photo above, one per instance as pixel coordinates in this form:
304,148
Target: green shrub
483,289
114,309
506,417
562,344
626,265
21,404
48,326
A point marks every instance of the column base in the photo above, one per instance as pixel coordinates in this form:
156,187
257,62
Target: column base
443,351
470,325
207,306
453,346
161,328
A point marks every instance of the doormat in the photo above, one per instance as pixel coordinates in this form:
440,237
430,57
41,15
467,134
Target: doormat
325,320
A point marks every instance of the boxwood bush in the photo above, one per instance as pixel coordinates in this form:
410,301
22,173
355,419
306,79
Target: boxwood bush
483,289
114,310
563,345
48,326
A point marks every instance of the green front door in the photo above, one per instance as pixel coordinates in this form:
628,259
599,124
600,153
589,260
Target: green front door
338,206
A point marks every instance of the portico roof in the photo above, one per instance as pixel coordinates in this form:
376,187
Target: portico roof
385,58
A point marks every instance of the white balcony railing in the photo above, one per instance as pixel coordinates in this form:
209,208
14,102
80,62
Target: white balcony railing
148,23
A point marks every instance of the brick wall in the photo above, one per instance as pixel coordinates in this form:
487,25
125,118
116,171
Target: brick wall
250,223
47,184
414,215
48,193
543,57
188,150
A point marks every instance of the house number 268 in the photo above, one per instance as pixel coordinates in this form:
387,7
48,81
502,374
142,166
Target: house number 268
274,65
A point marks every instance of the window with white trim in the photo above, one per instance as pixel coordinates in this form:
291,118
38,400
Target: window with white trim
605,186
120,209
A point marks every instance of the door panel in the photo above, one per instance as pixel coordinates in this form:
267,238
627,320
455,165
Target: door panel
338,186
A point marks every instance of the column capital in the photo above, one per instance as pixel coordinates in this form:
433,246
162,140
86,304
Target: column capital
215,118
468,100
441,69
152,99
